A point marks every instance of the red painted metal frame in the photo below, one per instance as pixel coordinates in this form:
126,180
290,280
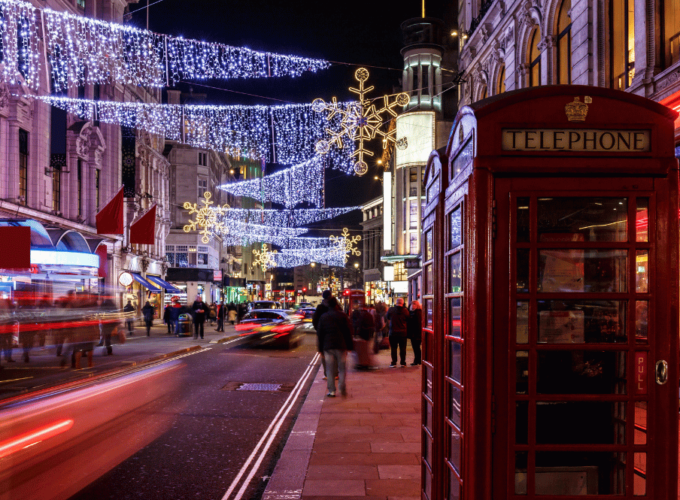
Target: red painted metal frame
488,284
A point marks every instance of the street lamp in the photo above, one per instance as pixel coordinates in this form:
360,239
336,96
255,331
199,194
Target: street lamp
313,264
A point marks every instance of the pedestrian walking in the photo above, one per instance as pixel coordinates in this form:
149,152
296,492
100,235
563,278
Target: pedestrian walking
397,316
242,310
379,322
147,312
335,339
129,309
175,312
414,330
212,313
321,309
108,324
232,313
221,310
167,318
364,326
199,309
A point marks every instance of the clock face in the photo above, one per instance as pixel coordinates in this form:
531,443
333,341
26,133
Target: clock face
125,279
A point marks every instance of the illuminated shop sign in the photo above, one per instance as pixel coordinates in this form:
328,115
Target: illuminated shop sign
605,141
64,258
416,133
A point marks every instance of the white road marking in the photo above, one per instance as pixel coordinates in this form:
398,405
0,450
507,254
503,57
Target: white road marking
271,432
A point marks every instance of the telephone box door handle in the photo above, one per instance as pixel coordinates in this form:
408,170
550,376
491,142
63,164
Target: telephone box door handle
661,372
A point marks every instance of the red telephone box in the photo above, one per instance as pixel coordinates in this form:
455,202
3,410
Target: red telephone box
550,289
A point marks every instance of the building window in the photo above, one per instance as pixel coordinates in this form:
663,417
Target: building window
413,219
203,159
80,187
170,258
564,44
414,244
671,31
202,187
23,167
81,3
413,182
622,43
202,259
500,85
182,256
535,59
425,82
97,175
56,189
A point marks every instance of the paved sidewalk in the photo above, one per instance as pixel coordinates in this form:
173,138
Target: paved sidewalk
365,446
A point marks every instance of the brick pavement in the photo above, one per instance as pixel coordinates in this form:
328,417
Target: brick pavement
365,446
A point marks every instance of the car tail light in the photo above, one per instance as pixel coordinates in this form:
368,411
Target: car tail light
282,330
246,326
34,437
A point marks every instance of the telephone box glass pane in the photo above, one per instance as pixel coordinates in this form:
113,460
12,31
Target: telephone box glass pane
455,369
428,245
427,448
455,270
521,422
456,317
456,399
454,486
581,372
642,220
520,473
641,321
428,312
581,321
522,322
456,228
428,378
455,448
522,372
429,285
580,422
580,473
582,219
523,222
642,271
523,270
590,271
640,422
640,474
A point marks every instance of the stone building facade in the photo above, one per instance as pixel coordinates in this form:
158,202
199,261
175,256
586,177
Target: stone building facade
60,170
630,45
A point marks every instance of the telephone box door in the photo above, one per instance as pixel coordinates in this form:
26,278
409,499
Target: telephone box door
583,335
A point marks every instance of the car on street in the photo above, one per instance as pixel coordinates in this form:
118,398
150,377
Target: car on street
265,304
271,328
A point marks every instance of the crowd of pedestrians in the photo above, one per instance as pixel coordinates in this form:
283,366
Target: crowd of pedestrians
365,331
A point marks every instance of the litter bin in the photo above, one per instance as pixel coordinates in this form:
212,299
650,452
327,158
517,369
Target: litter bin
185,325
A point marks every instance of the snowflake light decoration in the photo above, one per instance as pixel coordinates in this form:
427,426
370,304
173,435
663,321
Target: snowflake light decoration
206,218
360,123
346,244
264,258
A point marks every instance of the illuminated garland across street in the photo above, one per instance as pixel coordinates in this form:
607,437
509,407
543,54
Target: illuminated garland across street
299,184
286,217
84,51
295,258
19,43
236,130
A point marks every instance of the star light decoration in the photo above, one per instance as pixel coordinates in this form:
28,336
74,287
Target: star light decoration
264,258
206,218
360,123
346,244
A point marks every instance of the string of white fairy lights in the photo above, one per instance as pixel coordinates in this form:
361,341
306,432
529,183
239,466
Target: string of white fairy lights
284,134
302,183
285,217
84,51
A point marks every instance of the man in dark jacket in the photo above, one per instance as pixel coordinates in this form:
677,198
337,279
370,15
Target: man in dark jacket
221,311
167,318
335,339
415,331
364,326
147,312
199,310
398,317
321,309
129,309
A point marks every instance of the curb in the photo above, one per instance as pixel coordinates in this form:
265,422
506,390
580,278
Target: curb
223,340
288,479
90,377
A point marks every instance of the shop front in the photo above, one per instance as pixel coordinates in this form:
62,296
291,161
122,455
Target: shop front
550,292
234,290
192,282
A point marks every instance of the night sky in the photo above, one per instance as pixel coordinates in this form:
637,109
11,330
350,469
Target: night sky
358,32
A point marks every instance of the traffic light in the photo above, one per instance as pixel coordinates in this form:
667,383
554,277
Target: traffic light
304,290
346,292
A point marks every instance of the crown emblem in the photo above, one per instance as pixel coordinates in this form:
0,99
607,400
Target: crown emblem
576,110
